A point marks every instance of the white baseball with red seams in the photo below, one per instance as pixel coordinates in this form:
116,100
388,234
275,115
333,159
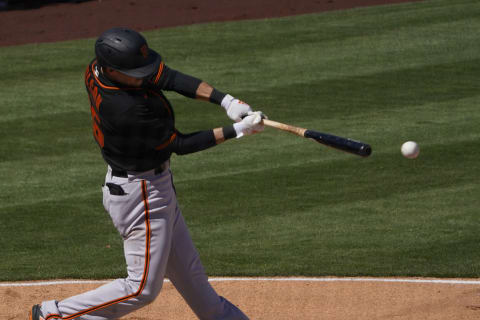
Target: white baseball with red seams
410,149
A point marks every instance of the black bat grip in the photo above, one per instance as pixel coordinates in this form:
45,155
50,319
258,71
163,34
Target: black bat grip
344,144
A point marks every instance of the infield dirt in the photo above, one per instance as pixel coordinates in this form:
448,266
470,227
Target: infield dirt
259,299
287,300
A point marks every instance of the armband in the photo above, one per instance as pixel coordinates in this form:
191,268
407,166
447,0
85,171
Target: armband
217,96
229,132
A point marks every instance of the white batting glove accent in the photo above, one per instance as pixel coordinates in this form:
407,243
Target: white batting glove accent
235,108
250,124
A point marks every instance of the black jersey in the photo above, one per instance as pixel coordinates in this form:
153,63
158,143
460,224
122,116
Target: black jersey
135,127
132,126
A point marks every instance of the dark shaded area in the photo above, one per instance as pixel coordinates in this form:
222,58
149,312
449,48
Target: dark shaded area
31,4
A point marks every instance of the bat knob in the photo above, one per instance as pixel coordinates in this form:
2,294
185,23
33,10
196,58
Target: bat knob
365,151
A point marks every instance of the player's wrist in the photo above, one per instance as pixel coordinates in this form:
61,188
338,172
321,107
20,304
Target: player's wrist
217,96
229,132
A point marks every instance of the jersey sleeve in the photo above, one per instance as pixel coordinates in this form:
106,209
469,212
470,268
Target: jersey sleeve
172,80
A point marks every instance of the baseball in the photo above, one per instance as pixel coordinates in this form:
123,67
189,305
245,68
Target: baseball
410,149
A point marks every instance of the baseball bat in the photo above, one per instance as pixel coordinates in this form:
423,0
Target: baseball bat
351,146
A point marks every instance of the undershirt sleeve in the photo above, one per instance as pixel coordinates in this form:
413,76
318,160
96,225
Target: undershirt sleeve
193,142
173,80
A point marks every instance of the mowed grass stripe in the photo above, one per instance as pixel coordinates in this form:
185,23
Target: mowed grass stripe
410,182
327,184
412,177
336,230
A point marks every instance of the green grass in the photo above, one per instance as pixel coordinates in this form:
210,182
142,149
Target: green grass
270,204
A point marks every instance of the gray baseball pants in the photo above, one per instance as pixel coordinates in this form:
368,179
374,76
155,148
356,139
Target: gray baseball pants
157,244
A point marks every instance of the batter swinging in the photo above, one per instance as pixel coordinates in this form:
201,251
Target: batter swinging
133,123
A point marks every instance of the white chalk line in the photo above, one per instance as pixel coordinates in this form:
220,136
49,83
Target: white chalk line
225,279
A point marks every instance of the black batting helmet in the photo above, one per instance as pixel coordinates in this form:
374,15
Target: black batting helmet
126,51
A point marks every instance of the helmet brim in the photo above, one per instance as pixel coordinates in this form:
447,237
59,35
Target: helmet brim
154,60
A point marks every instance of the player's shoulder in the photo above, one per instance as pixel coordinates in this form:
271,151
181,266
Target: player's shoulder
94,78
89,73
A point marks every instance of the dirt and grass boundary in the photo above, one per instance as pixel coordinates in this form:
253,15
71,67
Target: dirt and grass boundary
287,298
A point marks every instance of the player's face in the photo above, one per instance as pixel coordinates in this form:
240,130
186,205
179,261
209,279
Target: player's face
123,78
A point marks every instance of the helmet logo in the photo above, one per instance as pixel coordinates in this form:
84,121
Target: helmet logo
144,50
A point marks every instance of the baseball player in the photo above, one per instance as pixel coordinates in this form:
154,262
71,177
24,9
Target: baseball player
134,126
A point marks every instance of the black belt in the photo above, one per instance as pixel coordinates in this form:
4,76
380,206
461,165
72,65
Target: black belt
124,173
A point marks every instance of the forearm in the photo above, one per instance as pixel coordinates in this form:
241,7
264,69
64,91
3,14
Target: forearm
184,84
195,88
223,134
219,136
206,92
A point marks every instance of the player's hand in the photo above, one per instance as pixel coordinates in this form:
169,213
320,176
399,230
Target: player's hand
251,124
235,108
